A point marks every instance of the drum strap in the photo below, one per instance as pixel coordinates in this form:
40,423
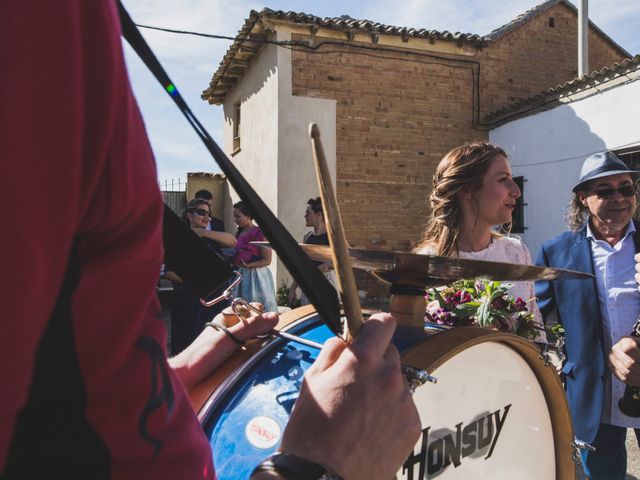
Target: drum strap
317,288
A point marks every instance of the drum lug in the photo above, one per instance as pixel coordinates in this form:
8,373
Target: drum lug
416,377
544,355
578,445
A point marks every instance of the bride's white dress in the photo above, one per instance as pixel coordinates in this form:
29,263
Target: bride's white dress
510,250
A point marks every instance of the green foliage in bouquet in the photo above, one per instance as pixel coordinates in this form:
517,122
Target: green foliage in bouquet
481,303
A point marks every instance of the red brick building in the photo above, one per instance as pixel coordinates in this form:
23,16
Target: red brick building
390,102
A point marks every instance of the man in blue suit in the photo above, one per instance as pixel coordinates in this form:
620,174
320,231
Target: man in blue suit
598,314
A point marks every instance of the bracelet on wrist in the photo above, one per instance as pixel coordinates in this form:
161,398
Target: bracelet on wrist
293,467
222,328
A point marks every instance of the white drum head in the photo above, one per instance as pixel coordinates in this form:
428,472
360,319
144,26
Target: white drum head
486,417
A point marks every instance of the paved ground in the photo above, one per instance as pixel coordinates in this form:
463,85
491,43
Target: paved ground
633,465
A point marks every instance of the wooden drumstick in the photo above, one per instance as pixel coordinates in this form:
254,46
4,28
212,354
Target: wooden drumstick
337,239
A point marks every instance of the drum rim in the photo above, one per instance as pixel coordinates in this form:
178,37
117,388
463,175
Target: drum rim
218,395
207,396
436,350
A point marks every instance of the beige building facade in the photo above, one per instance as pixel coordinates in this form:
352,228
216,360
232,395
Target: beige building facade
390,102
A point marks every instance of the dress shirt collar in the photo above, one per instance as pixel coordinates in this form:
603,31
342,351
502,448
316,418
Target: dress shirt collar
631,229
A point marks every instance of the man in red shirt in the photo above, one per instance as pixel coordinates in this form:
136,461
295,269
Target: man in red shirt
86,389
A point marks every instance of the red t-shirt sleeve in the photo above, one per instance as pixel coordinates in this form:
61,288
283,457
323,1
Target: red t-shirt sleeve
78,170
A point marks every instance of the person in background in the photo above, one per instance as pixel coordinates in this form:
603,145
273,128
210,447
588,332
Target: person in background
314,217
252,262
215,224
87,390
598,315
473,192
188,315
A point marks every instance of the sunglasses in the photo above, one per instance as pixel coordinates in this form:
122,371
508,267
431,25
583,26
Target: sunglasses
607,192
202,212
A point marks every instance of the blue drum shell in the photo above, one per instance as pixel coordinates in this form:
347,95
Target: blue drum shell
248,413
250,410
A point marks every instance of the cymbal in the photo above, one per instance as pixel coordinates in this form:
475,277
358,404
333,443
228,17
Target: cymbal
427,271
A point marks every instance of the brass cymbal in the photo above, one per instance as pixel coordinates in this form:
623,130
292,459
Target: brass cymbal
428,271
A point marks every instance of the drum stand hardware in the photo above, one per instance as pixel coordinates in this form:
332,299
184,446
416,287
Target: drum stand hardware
546,355
226,295
242,309
416,377
578,445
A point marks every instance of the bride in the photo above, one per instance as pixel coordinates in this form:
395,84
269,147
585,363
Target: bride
473,191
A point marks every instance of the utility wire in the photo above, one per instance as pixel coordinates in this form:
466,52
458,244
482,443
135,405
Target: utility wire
364,50
301,45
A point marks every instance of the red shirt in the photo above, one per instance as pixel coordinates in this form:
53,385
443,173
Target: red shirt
79,181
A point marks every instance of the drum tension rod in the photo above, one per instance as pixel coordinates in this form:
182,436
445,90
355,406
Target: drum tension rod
240,307
578,445
415,377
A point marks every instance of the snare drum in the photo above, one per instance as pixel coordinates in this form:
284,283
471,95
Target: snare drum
496,410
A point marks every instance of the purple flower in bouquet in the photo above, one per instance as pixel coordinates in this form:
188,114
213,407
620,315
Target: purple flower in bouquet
500,303
436,314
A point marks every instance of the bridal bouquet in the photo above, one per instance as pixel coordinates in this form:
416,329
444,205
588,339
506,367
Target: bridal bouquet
480,303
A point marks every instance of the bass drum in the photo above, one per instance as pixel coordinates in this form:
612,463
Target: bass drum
495,412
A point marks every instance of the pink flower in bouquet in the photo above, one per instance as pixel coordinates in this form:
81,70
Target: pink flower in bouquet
520,305
481,303
461,296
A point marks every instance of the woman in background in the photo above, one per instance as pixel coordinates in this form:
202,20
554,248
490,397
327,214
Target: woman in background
253,262
188,315
473,191
314,217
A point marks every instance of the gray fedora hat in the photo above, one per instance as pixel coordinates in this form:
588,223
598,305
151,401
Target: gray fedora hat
601,165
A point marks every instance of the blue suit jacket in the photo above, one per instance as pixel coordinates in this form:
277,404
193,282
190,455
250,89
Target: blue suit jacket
578,311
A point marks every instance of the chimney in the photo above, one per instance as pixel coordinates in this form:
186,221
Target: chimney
583,38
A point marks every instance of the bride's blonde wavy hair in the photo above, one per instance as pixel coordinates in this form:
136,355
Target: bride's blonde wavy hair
461,169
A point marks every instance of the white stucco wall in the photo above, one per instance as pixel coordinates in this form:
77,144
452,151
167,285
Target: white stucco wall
548,149
275,148
257,94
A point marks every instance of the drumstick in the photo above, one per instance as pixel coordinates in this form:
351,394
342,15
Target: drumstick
337,239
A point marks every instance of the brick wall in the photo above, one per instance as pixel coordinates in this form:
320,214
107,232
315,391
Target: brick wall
398,113
536,56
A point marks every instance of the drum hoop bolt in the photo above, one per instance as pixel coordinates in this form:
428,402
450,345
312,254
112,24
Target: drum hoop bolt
416,377
578,445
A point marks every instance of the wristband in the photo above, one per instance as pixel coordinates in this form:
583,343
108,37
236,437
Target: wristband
293,467
222,328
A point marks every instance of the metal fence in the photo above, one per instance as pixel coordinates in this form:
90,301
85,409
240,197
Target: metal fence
174,194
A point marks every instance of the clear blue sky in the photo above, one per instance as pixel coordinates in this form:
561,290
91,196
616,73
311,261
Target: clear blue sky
191,61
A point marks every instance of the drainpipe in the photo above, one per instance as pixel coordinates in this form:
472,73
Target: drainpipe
583,38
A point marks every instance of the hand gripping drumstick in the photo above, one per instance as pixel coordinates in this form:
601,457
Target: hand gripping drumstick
337,240
342,261
629,404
